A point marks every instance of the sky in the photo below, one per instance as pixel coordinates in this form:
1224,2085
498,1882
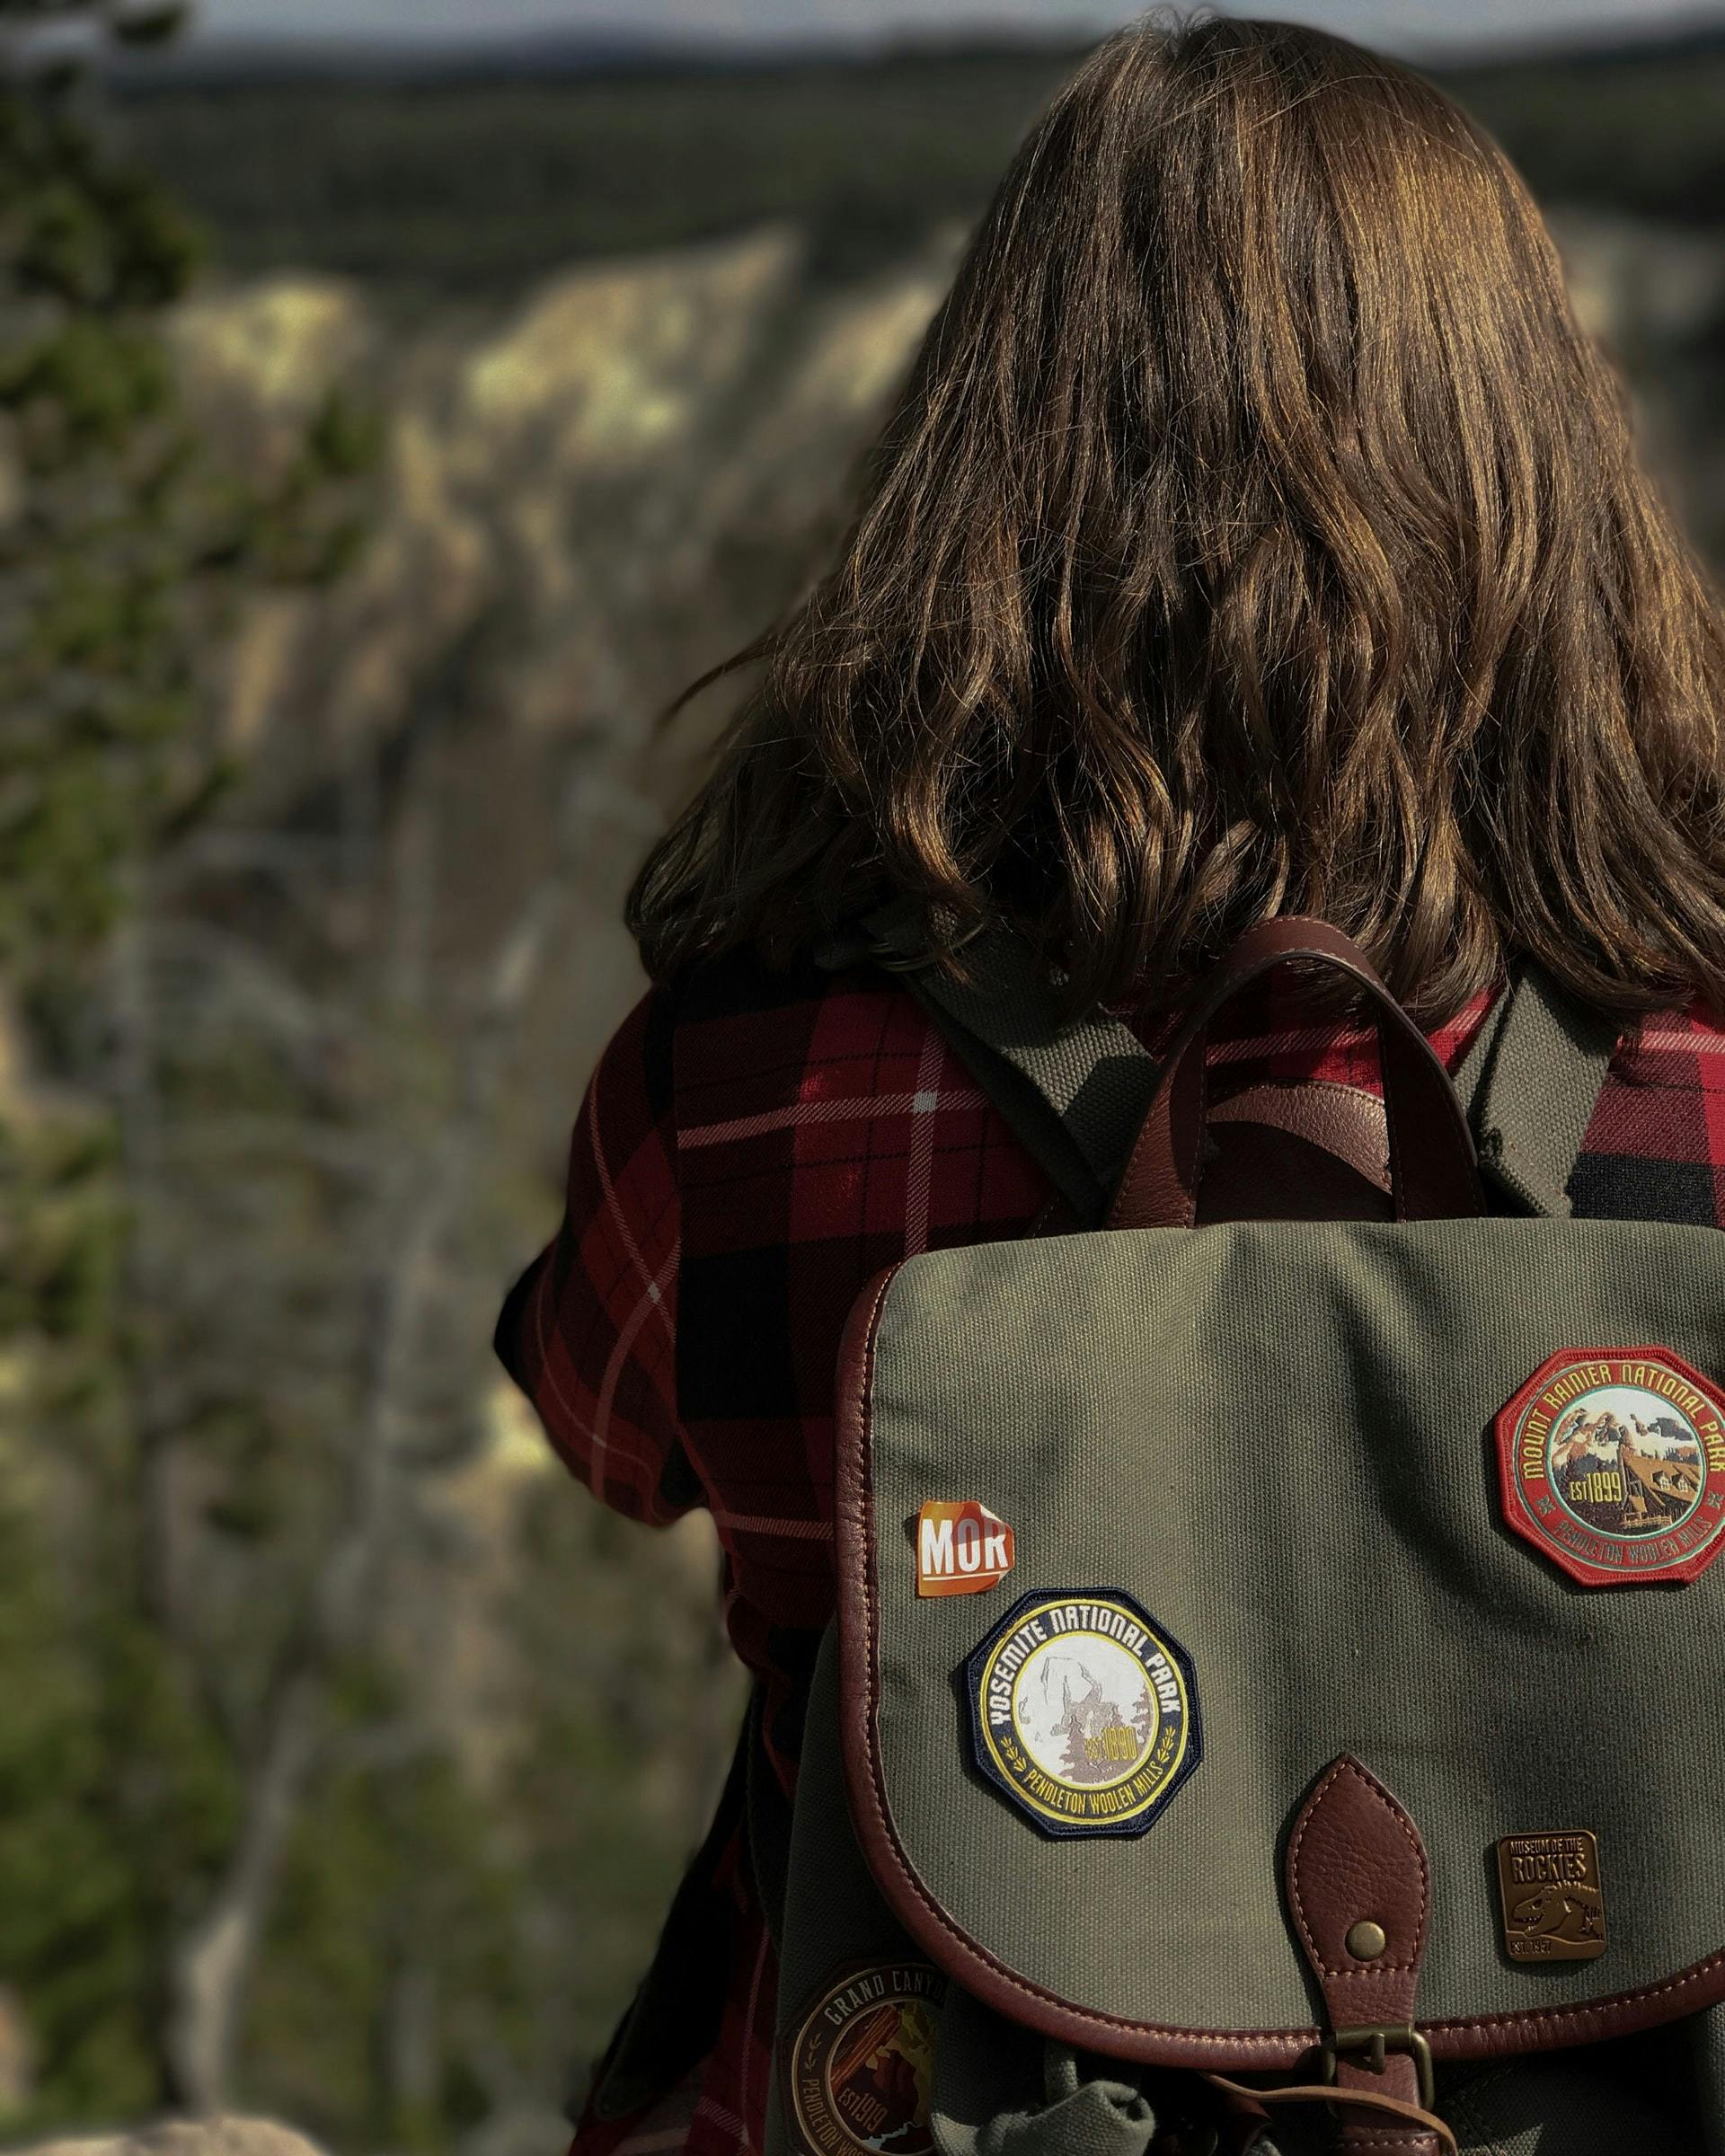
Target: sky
1403,25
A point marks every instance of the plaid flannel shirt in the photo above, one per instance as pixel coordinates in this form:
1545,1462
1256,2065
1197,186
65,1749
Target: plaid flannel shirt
752,1149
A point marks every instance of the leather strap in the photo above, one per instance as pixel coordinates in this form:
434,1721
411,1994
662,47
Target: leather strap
1433,1173
1306,1151
1345,1120
1360,1892
1075,1092
1355,2100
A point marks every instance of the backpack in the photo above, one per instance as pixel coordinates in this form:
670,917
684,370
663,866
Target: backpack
1273,1702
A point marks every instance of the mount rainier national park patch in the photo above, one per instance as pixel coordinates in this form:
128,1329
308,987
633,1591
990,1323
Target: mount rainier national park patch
1612,1464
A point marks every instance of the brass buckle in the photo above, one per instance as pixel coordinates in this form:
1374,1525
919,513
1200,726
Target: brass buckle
1375,2041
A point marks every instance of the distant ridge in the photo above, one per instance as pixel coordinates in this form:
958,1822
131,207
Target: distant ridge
480,169
219,62
1700,39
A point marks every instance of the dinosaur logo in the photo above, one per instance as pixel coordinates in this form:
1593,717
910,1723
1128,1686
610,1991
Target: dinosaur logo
1553,1907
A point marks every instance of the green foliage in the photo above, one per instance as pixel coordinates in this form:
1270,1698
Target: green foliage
306,530
113,537
81,228
59,1232
114,1800
394,1935
473,186
118,1785
146,25
95,689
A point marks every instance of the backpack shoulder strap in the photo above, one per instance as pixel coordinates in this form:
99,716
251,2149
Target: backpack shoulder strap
1073,1092
1529,1082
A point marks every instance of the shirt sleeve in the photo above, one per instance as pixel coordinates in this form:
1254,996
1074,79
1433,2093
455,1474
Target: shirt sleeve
588,1332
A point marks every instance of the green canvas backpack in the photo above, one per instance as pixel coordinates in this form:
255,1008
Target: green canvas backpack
1274,1701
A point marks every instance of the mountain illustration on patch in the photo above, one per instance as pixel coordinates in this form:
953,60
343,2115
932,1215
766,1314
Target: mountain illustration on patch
1622,1473
1098,1739
879,2075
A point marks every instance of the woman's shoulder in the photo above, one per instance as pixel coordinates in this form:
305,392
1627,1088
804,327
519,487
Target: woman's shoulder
734,1023
1655,1145
730,1051
749,1036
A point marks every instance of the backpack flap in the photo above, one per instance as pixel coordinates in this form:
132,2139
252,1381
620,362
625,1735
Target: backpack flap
1141,1534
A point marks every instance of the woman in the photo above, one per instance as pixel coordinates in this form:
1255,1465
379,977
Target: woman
1258,534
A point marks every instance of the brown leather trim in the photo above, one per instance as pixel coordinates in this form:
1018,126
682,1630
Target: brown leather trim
1623,2014
1438,2139
1056,1218
953,1949
1355,1856
1355,1853
1309,1150
1432,1168
1344,1119
971,1963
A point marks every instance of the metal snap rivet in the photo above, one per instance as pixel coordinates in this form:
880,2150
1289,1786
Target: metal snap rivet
1366,1941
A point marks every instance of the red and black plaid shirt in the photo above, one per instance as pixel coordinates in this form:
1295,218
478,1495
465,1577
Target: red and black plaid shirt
752,1150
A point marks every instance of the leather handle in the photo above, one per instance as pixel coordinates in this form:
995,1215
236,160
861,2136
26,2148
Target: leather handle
1433,1171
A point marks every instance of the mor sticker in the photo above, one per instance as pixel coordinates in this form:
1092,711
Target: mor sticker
1084,1712
863,2060
961,1549
1612,1463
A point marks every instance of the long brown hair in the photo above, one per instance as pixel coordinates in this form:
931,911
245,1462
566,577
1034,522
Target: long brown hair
1258,532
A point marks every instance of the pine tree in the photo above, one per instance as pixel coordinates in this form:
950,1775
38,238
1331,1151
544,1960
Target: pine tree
1144,1720
117,546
